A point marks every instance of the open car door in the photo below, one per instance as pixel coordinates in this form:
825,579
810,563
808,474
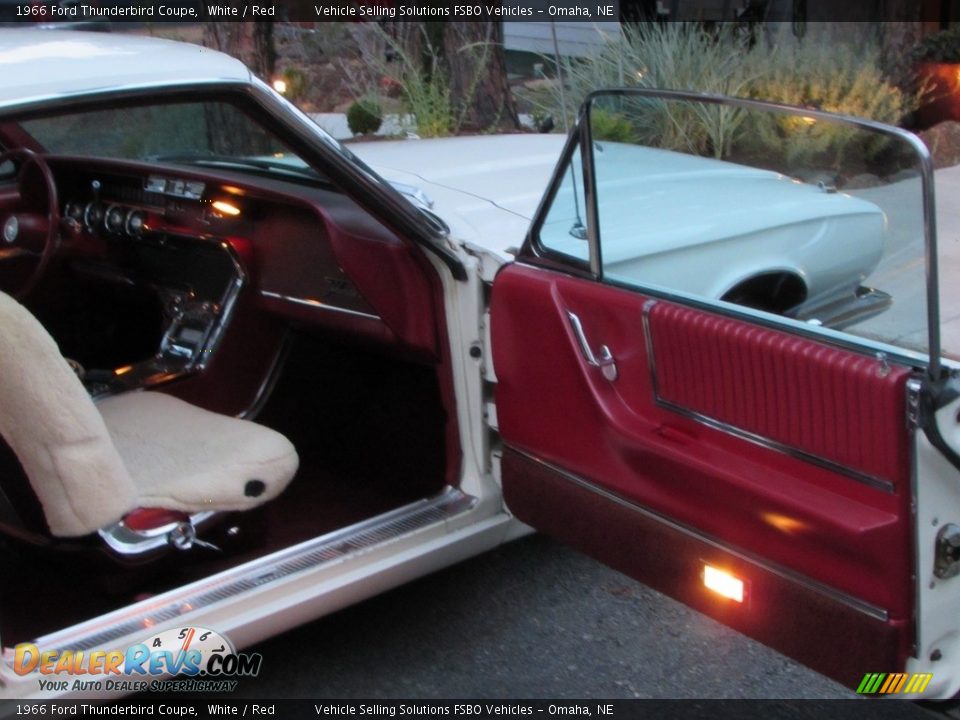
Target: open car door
719,370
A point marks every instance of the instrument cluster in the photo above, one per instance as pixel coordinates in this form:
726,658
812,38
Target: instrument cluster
113,219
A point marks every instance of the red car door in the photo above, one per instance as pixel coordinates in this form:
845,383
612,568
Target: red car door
749,449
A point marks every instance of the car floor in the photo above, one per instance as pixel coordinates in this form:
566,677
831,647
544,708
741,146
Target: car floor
370,434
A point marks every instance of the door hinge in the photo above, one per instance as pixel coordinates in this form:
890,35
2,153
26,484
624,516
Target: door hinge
946,563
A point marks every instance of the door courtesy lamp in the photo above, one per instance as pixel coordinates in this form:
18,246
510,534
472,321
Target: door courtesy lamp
723,583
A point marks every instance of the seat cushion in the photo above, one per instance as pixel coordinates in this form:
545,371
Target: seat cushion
182,457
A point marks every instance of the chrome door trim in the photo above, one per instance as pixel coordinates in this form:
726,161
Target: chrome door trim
925,161
761,440
869,609
914,390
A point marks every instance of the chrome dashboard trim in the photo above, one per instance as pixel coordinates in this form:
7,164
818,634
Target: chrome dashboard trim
840,596
761,440
316,304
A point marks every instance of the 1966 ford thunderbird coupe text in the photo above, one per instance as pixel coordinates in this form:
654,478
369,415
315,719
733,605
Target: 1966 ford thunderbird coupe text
249,376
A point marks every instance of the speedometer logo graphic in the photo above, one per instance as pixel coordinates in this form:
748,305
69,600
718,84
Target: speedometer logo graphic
192,640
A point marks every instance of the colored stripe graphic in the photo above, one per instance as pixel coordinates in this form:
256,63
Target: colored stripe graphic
893,683
918,683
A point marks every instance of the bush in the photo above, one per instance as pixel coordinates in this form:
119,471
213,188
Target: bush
823,72
611,126
364,116
407,62
674,56
296,83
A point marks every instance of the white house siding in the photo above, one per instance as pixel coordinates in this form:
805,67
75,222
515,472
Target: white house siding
578,38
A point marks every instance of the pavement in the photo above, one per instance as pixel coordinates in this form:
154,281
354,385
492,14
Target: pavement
948,234
902,270
532,619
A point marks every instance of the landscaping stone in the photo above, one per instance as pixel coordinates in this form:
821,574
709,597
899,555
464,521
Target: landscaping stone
943,141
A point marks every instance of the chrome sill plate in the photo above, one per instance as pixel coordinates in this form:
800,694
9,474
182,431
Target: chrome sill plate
101,631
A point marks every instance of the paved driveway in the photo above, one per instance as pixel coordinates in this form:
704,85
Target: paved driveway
530,620
902,272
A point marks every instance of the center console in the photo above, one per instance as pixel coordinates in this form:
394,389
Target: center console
197,282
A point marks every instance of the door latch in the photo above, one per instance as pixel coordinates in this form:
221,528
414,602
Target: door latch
946,562
605,361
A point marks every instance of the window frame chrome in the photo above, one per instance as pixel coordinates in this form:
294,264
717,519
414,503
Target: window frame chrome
535,253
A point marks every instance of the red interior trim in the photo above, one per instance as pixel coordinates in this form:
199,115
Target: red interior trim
845,408
816,521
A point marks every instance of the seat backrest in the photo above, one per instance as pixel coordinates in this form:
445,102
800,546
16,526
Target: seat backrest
59,437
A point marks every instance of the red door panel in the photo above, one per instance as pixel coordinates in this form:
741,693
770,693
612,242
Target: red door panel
844,531
844,408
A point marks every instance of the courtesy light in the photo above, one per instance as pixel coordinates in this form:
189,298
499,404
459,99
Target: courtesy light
723,583
225,208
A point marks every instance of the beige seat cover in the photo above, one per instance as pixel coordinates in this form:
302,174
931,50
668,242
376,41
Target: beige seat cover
91,466
182,457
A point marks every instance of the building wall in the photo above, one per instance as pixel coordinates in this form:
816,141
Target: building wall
580,39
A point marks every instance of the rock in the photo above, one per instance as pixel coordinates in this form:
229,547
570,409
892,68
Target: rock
943,141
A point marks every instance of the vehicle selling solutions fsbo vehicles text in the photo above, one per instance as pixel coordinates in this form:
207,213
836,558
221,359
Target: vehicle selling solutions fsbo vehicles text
475,11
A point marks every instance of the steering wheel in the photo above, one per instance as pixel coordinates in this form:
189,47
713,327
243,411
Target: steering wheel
30,231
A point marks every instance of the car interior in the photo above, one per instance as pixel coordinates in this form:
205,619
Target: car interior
203,361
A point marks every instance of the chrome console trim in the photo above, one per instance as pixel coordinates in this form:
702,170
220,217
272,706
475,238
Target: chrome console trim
761,440
270,380
840,596
220,314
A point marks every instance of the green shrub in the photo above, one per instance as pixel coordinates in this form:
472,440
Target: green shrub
296,82
824,73
430,103
364,116
412,64
611,126
674,56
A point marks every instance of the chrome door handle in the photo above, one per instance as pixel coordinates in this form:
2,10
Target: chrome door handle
606,362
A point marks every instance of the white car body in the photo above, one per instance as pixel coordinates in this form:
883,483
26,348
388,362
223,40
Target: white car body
490,195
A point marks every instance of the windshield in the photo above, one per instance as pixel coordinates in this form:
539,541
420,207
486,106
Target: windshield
209,133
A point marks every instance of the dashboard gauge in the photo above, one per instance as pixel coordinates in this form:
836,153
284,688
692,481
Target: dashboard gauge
73,211
115,219
93,216
134,223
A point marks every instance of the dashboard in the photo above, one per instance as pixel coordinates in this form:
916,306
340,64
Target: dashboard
204,240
